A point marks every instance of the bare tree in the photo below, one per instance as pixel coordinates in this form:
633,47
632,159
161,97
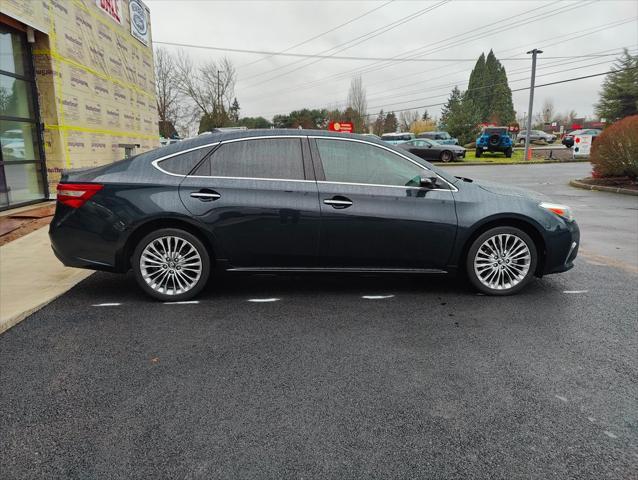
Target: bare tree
407,118
546,115
209,86
169,103
358,102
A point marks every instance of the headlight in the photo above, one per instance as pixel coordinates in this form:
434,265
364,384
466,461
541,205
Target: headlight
562,211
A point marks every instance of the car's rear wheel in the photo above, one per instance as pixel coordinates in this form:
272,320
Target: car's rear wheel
171,264
446,156
501,261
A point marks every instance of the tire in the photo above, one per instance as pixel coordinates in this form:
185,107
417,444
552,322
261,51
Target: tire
446,156
168,280
508,152
508,274
494,140
478,153
522,141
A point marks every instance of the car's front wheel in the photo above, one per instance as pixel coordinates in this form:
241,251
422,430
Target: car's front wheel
171,264
501,261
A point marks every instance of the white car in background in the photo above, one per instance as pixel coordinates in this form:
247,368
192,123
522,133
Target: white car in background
397,138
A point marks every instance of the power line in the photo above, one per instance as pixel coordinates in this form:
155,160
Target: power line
518,89
338,57
282,52
349,44
452,38
564,38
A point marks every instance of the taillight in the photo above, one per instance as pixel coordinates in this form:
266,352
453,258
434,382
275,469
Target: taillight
76,194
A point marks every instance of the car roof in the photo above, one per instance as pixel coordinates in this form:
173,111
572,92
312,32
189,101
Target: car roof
215,137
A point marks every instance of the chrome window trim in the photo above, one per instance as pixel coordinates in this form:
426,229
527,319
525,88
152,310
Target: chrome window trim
451,189
166,157
251,178
155,163
260,137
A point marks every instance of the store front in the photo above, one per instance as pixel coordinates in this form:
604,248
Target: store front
22,168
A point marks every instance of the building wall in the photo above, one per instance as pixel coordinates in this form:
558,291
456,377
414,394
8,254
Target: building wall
95,80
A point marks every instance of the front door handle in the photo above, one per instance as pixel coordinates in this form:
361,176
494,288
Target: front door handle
206,195
338,202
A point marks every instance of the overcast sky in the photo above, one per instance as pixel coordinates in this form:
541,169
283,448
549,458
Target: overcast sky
437,29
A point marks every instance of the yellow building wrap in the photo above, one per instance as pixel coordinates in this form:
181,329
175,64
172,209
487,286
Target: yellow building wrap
95,79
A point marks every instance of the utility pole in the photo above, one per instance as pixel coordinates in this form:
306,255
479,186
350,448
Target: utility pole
528,129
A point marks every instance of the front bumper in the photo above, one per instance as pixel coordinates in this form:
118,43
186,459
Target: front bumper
562,249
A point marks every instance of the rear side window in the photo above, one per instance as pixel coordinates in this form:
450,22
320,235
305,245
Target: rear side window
260,158
183,163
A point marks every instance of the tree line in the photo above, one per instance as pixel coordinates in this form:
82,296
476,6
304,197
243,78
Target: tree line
203,95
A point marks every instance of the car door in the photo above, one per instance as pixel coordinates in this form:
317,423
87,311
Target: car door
373,213
258,198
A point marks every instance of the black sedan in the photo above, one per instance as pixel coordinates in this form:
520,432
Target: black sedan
293,201
432,150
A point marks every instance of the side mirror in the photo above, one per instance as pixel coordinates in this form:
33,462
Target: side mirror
428,182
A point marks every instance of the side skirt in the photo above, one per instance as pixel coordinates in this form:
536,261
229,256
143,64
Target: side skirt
334,270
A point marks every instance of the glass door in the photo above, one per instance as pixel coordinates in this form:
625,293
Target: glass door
22,171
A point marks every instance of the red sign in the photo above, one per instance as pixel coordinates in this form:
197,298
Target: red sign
345,127
112,8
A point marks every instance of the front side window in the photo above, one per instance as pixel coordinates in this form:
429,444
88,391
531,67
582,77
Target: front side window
354,162
275,158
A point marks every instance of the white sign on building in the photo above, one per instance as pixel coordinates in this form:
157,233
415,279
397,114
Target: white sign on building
140,21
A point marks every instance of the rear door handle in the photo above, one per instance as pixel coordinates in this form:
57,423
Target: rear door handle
206,195
338,202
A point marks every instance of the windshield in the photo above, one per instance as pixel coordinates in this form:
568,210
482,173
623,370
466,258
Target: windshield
444,136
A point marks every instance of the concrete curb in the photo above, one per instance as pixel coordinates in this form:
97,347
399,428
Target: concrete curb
31,277
602,188
522,162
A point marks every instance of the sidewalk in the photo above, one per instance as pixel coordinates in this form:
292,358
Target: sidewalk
31,276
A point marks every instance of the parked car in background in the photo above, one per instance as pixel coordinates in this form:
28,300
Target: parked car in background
372,135
397,138
443,138
431,150
301,201
494,139
568,139
535,135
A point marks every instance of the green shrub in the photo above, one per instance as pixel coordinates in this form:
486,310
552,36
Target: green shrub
615,151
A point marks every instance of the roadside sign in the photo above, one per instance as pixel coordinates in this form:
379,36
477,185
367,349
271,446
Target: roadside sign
345,127
582,145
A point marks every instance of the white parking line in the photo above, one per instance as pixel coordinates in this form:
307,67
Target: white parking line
610,434
575,291
263,300
376,297
184,302
107,304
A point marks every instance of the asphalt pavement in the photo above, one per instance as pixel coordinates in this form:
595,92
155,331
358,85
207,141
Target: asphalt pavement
337,376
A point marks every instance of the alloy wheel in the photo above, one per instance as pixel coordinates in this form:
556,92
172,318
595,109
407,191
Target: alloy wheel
170,265
502,261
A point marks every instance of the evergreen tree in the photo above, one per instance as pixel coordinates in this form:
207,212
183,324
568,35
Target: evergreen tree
619,96
390,123
475,90
426,116
489,92
233,113
379,124
459,117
